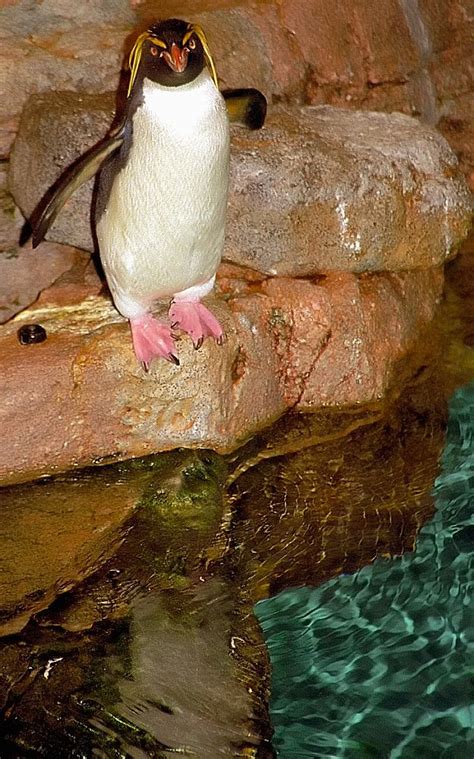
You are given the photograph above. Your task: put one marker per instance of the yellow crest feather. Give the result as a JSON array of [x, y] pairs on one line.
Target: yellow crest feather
[[136, 52], [136, 55], [199, 32]]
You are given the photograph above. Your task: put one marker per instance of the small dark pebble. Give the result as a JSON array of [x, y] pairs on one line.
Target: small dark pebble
[[31, 333]]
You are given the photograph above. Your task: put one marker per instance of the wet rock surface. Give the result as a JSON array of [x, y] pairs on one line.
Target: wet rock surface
[[314, 495], [290, 343], [317, 190], [58, 533], [106, 634]]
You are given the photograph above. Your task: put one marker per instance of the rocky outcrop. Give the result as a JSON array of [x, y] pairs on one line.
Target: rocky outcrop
[[322, 189], [290, 344], [317, 190], [58, 45]]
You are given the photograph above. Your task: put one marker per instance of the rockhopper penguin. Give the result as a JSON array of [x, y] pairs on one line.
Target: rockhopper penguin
[[162, 194]]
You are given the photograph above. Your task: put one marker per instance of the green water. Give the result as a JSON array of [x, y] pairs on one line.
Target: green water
[[381, 663]]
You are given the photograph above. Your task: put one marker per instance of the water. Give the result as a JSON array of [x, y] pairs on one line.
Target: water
[[126, 592], [380, 663]]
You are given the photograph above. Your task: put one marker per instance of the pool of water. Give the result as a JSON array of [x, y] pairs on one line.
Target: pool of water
[[127, 592], [379, 663]]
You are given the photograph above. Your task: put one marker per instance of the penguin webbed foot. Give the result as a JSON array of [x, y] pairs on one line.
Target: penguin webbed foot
[[196, 320], [152, 339]]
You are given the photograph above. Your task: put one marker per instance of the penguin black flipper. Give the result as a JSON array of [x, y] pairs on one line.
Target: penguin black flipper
[[246, 107], [75, 176]]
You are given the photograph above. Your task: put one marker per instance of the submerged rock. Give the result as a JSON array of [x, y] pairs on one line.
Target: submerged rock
[[152, 649], [55, 533], [319, 189]]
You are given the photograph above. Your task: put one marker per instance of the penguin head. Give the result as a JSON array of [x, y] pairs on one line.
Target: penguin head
[[170, 53]]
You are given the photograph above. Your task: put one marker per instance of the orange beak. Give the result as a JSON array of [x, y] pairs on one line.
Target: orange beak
[[177, 60]]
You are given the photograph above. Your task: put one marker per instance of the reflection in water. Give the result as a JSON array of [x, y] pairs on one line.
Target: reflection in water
[[379, 663], [339, 504], [136, 659], [154, 649], [126, 593]]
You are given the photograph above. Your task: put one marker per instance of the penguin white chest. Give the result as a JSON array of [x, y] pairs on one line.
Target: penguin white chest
[[163, 227]]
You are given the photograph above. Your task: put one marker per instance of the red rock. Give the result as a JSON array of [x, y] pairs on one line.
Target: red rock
[[24, 273], [238, 49], [290, 343], [352, 45], [374, 318], [452, 71], [458, 128], [287, 63], [301, 321]]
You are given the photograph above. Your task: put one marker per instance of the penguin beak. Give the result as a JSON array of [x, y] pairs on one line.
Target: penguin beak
[[177, 60]]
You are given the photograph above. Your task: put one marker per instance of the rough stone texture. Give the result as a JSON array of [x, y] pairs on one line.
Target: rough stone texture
[[322, 189], [237, 43], [317, 190], [366, 52], [58, 45], [91, 401], [81, 48], [90, 119], [449, 29], [368, 314], [345, 208], [24, 272], [409, 55]]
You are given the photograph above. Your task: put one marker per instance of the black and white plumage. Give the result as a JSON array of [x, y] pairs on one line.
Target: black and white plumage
[[160, 215]]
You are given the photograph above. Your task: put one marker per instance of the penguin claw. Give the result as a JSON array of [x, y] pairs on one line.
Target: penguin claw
[[152, 339], [196, 320]]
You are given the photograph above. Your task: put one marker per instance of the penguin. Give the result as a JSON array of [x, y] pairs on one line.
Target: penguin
[[163, 187]]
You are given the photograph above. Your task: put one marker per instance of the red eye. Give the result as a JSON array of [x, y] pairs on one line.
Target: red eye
[[192, 44], [154, 50]]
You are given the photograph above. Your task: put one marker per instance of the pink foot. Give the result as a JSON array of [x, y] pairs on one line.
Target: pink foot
[[196, 320], [152, 339]]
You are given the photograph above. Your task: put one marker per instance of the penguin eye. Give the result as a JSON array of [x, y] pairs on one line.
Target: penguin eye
[[154, 50], [192, 44]]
